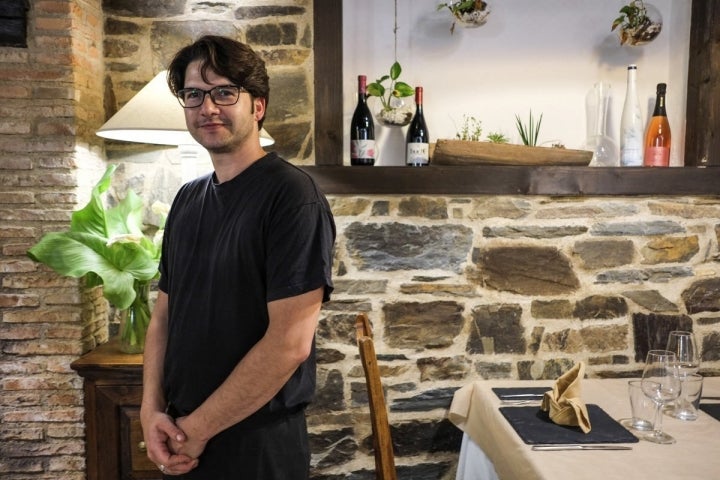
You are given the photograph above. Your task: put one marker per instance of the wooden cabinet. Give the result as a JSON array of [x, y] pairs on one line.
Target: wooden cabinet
[[113, 392]]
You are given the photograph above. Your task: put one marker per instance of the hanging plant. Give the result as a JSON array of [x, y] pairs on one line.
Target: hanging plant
[[468, 13], [394, 111], [639, 23]]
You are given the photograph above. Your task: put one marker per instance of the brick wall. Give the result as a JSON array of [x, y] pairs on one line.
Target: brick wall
[[50, 105]]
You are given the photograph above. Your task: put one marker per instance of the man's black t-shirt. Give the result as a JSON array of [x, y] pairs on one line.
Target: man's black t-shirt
[[228, 250]]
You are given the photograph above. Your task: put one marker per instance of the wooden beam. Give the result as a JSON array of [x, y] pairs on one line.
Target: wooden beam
[[702, 138], [327, 46]]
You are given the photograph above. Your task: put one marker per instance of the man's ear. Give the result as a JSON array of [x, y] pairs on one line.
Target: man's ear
[[259, 111]]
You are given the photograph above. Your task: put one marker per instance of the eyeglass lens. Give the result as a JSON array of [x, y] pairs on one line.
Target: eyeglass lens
[[220, 95]]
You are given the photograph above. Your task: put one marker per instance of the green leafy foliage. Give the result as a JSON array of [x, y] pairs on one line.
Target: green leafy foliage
[[107, 246], [529, 132], [471, 129], [497, 137], [395, 89], [463, 6], [632, 16]]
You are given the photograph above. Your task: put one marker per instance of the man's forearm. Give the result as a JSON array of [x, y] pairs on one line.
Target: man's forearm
[[154, 357]]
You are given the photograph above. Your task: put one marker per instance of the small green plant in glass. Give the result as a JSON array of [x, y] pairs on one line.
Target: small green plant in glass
[[392, 111]]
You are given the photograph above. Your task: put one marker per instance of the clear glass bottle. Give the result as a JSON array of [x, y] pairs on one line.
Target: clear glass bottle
[[604, 147], [631, 124]]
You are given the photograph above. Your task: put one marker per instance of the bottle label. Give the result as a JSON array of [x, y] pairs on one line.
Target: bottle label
[[657, 157], [418, 154], [362, 149], [631, 155]]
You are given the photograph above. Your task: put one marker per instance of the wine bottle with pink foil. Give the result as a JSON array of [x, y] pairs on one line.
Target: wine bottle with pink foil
[[657, 135], [362, 129]]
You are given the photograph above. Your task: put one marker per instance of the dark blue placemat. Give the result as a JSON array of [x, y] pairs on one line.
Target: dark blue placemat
[[535, 427], [712, 409], [511, 393]]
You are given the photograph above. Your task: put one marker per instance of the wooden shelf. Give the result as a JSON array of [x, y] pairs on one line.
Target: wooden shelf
[[517, 180]]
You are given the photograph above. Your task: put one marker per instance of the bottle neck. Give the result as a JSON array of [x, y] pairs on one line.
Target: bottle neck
[[660, 106], [632, 79], [362, 88], [419, 99]]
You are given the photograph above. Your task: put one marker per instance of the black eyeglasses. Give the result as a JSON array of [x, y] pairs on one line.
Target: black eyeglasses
[[221, 95]]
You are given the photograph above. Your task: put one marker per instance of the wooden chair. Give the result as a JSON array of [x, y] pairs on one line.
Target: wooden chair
[[382, 440]]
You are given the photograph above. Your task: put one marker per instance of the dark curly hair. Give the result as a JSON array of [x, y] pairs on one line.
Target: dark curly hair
[[226, 57]]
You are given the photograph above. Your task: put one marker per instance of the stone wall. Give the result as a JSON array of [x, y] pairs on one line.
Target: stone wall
[[485, 287]]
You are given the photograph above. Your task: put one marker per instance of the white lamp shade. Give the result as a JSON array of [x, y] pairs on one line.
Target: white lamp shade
[[154, 116]]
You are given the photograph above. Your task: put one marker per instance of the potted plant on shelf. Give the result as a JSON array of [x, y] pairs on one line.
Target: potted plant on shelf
[[639, 23], [468, 149], [468, 13], [394, 112], [107, 246]]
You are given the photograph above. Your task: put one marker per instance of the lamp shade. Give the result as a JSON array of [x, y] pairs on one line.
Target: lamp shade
[[154, 116]]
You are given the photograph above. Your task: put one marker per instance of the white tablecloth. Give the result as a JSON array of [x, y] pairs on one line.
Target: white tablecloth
[[491, 445]]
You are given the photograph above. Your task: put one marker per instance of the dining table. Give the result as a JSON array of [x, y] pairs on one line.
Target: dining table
[[492, 449]]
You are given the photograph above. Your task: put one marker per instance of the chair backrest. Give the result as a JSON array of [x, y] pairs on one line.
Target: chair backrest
[[382, 440]]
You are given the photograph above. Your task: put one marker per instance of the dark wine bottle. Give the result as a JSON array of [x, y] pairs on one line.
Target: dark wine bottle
[[657, 137], [417, 144], [362, 129]]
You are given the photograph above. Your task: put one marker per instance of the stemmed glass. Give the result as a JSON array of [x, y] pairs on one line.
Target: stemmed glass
[[661, 384], [684, 346]]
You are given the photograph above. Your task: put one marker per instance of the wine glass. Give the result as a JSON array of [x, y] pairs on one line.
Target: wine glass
[[684, 346], [661, 384]]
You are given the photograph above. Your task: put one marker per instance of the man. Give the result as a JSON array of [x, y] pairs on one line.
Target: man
[[229, 360]]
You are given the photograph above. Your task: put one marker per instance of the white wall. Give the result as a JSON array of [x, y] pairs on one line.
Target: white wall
[[543, 55]]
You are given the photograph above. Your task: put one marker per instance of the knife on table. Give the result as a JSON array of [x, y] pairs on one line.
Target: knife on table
[[574, 446], [521, 397]]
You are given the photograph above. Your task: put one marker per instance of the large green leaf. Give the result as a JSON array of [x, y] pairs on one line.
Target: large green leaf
[[375, 90], [107, 247], [91, 218], [75, 254], [395, 70], [402, 89], [126, 216]]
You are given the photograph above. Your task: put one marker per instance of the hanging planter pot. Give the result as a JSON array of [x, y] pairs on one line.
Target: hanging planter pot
[[397, 113], [639, 23], [467, 13]]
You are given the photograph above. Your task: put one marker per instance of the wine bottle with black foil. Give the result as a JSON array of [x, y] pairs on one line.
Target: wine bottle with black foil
[[362, 129], [417, 145], [631, 124], [657, 136]]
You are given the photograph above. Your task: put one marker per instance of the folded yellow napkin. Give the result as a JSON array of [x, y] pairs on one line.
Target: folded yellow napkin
[[564, 403]]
